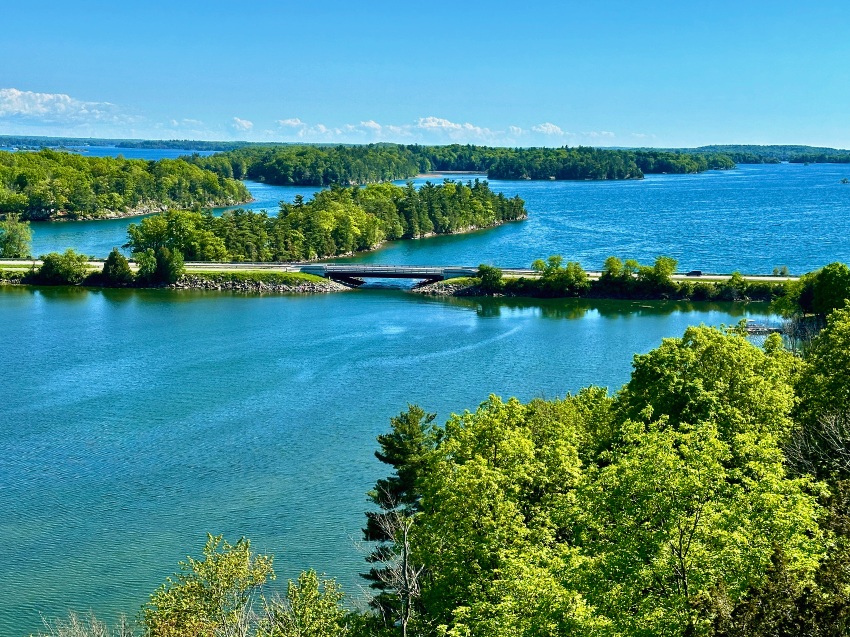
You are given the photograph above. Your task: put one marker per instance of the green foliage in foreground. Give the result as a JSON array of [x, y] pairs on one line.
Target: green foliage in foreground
[[336, 222], [818, 292], [15, 237], [50, 184], [678, 506], [671, 508]]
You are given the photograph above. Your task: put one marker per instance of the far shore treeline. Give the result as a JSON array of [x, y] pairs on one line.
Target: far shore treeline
[[311, 165], [50, 184]]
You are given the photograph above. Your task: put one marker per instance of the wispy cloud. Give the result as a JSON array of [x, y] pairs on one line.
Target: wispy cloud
[[242, 124], [433, 130], [548, 128], [28, 112], [602, 134], [292, 122], [56, 108]]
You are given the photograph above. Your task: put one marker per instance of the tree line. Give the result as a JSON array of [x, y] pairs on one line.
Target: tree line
[[50, 184], [776, 153], [310, 165], [709, 496], [620, 279]]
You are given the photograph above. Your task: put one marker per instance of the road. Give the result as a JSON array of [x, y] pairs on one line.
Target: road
[[380, 270]]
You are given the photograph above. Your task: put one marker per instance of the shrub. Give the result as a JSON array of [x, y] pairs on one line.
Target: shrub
[[116, 270], [69, 268]]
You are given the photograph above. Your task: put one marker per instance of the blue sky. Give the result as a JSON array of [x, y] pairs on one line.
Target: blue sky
[[502, 73]]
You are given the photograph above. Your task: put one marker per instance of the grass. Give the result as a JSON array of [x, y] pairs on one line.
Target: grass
[[257, 276]]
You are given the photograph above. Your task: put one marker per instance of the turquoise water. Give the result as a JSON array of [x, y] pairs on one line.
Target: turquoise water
[[751, 219], [133, 422]]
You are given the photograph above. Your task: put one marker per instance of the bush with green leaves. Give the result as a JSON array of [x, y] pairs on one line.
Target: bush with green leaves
[[491, 278], [15, 237], [116, 270], [68, 268]]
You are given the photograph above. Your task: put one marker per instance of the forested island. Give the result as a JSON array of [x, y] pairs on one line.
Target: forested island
[[708, 496], [49, 184], [773, 154], [310, 165], [338, 221]]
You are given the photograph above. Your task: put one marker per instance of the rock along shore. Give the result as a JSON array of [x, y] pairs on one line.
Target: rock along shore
[[223, 283]]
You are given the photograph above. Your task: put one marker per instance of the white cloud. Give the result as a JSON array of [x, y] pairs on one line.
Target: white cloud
[[242, 124], [55, 108], [292, 122], [433, 130], [548, 128], [454, 130], [597, 134]]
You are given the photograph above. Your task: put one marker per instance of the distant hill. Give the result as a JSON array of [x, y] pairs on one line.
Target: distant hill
[[36, 142], [773, 154]]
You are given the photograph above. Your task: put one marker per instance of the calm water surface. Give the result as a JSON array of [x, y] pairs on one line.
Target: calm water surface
[[133, 422], [751, 219]]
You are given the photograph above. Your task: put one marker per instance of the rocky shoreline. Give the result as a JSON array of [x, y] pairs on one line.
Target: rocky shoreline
[[222, 283], [139, 211], [446, 288]]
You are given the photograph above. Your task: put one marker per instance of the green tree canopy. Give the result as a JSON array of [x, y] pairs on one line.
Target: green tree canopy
[[15, 237]]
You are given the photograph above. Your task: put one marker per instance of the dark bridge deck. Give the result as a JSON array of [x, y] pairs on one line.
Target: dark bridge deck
[[347, 271]]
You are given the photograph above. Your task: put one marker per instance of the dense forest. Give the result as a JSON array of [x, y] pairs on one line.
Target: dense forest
[[50, 184], [325, 165], [335, 222], [774, 154], [708, 496]]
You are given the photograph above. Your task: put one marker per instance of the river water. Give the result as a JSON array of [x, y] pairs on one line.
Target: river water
[[134, 422]]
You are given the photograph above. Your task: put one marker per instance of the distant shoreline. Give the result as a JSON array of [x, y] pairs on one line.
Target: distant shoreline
[[439, 173]]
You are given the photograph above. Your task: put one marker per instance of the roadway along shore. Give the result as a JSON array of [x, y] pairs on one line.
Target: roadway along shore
[[375, 270]]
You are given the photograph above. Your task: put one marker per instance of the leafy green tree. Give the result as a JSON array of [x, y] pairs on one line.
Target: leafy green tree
[[312, 608], [491, 278], [831, 288], [613, 268], [709, 376], [497, 507], [557, 280], [68, 268], [821, 445], [169, 265], [15, 237], [680, 513], [146, 260], [208, 597], [116, 270]]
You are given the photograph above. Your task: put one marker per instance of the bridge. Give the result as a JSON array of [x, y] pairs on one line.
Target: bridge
[[355, 272]]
